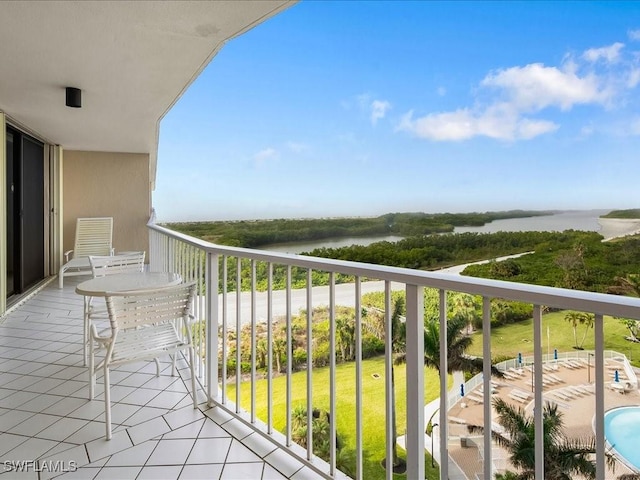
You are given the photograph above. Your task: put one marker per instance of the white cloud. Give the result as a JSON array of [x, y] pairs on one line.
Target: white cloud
[[633, 79], [297, 147], [610, 54], [635, 127], [497, 123], [375, 109], [379, 109], [634, 34], [510, 103], [265, 155], [363, 100], [527, 128], [534, 87], [587, 130]]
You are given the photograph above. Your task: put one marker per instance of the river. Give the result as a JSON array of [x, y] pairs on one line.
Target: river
[[587, 220]]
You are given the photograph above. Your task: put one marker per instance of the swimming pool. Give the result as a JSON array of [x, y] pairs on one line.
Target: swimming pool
[[622, 431]]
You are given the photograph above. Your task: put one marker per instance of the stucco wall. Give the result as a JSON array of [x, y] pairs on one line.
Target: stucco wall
[[105, 184]]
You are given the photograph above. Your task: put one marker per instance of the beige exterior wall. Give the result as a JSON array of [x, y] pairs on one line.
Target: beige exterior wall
[[105, 184]]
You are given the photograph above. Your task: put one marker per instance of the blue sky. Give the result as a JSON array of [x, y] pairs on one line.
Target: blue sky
[[364, 108]]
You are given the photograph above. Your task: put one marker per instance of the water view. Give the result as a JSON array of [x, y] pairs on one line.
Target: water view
[[299, 247], [586, 220]]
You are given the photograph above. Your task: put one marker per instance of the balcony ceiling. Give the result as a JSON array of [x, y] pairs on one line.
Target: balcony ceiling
[[131, 59]]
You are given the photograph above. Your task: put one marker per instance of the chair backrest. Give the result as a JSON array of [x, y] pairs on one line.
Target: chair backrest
[[93, 236], [102, 265], [149, 307]]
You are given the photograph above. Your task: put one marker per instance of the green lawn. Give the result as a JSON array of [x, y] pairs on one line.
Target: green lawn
[[518, 338], [373, 406]]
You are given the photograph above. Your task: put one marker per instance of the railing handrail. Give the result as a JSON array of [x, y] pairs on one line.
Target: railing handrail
[[208, 262], [598, 303]]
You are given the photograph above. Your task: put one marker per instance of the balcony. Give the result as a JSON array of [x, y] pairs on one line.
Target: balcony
[[45, 414], [242, 428]]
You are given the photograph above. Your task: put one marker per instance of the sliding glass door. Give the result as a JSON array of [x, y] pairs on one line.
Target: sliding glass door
[[25, 211]]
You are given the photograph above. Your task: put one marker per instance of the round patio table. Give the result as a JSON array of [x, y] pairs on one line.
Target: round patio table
[[124, 282]]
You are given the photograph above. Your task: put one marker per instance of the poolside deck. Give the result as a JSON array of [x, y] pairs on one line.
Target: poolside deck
[[567, 385]]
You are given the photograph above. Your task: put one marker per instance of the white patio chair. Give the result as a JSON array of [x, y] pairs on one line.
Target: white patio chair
[[93, 237], [101, 266], [144, 326]]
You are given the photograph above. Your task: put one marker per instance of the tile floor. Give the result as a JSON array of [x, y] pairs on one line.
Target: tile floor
[[48, 427]]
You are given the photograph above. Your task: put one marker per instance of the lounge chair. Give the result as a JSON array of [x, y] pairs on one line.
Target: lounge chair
[[94, 236]]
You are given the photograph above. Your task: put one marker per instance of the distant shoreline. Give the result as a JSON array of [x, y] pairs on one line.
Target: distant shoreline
[[618, 227]]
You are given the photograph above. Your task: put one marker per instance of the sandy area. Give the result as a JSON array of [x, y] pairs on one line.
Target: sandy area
[[618, 227]]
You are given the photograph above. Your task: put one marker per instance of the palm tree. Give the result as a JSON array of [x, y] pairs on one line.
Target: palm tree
[[579, 318], [464, 306], [457, 343], [345, 458], [398, 346], [279, 351], [345, 337], [564, 457]]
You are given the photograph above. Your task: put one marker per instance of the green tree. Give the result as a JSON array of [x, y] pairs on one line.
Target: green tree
[[321, 430], [345, 337], [573, 267], [564, 458], [279, 351], [634, 328], [627, 285], [457, 344], [464, 305], [579, 318], [398, 346]]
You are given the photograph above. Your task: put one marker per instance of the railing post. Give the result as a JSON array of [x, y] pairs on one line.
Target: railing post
[[486, 372], [415, 382], [599, 393], [444, 394], [212, 311], [538, 417]]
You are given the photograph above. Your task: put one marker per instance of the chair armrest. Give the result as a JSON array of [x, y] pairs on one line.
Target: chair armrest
[[66, 255], [95, 336]]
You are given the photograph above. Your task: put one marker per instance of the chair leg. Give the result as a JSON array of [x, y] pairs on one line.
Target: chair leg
[[61, 277], [107, 402], [87, 305], [157, 366], [92, 372], [173, 364], [194, 395]]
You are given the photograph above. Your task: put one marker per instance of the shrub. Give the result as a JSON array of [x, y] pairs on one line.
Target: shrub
[[371, 346]]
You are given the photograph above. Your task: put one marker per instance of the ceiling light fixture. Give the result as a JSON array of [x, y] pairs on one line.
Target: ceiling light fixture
[[74, 97]]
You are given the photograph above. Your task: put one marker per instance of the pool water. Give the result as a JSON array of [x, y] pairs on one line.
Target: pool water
[[622, 431]]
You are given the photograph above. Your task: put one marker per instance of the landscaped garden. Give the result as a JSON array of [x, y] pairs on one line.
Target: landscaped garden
[[373, 411]]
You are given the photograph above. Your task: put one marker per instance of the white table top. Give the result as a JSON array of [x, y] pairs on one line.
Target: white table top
[[123, 282]]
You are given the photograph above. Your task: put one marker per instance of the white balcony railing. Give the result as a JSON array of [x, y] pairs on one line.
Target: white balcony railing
[[223, 310]]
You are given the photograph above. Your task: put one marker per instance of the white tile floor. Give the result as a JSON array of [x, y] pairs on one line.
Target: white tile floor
[[45, 416]]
